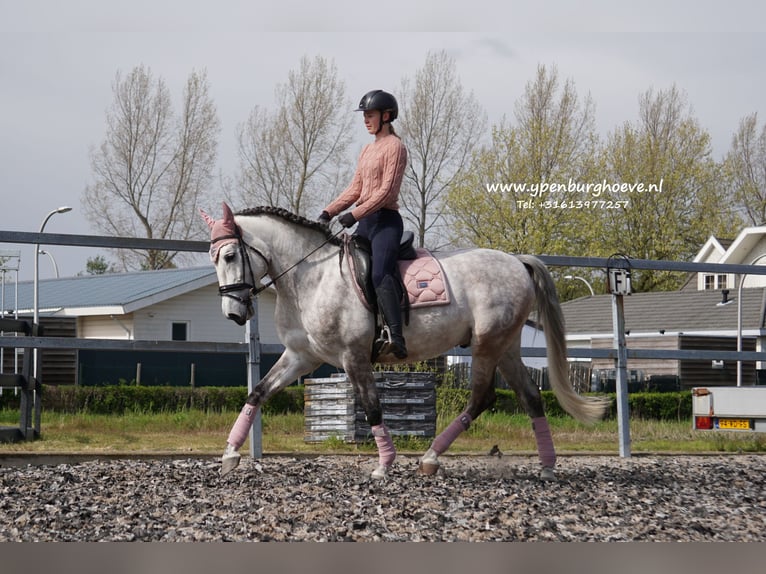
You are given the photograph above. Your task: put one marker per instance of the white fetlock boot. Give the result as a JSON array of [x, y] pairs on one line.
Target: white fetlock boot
[[429, 464], [229, 460], [380, 472]]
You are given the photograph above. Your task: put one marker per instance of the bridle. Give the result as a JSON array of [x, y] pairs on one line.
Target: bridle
[[231, 289]]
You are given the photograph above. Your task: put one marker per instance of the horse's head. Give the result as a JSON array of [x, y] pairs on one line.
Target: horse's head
[[237, 274]]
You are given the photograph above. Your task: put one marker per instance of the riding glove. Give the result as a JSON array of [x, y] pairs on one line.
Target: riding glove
[[324, 219], [347, 219]]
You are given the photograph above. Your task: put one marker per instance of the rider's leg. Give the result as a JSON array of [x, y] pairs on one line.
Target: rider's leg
[[385, 237]]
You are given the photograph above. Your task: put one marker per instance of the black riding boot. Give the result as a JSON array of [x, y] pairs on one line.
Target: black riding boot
[[389, 299]]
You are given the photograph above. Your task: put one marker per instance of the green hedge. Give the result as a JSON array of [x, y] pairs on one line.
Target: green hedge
[[651, 406], [119, 399]]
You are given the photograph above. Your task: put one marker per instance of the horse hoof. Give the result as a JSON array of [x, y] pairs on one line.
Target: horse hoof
[[229, 461], [428, 468], [380, 472], [547, 474]]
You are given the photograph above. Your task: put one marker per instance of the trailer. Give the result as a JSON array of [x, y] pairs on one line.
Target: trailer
[[729, 409]]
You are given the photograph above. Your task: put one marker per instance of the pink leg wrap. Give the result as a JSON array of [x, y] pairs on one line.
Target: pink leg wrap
[[447, 436], [386, 450], [544, 441], [239, 431]]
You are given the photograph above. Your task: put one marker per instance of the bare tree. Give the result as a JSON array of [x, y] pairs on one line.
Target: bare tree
[[153, 166], [745, 167], [440, 124], [295, 156]]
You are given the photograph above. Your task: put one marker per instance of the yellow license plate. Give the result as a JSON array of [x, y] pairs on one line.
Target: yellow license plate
[[734, 424]]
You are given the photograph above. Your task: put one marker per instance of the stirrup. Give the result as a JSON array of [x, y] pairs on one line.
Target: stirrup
[[385, 336], [384, 343]]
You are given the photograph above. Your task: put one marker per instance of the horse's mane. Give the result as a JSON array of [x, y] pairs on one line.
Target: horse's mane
[[292, 218]]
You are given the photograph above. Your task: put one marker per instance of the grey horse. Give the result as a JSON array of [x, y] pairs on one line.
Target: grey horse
[[320, 320]]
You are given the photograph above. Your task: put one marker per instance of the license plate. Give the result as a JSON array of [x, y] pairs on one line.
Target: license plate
[[734, 424]]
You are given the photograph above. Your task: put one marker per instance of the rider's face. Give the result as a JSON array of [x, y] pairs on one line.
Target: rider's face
[[372, 121]]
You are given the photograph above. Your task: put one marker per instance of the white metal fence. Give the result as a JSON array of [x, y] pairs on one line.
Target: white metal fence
[[252, 346]]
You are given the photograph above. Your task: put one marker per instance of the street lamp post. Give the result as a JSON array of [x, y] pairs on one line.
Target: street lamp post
[[36, 279], [53, 261], [592, 293]]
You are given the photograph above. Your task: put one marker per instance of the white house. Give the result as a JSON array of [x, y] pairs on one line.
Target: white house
[[702, 314], [165, 305], [749, 248]]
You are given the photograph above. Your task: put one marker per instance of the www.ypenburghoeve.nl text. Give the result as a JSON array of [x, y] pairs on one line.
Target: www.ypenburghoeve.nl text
[[591, 189]]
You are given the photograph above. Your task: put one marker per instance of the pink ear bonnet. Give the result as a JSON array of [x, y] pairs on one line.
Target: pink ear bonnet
[[222, 231]]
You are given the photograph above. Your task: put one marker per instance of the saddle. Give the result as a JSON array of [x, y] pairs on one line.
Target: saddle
[[420, 275]]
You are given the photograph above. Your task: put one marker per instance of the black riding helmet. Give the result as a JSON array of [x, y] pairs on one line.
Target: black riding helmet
[[379, 100]]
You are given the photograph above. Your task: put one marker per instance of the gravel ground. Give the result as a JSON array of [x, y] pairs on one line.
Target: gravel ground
[[331, 498]]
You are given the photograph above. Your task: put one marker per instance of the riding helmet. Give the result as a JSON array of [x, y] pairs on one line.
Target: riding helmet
[[379, 100]]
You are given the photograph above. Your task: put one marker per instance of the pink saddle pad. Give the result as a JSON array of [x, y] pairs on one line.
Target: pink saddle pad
[[424, 279]]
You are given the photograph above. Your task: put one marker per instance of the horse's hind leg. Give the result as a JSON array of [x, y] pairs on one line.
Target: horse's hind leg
[[360, 374], [516, 375], [482, 397]]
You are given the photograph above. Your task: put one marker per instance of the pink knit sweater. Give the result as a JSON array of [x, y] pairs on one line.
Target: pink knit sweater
[[377, 179]]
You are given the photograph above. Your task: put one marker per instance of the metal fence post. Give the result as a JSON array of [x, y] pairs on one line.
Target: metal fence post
[[619, 285], [621, 369], [253, 377]]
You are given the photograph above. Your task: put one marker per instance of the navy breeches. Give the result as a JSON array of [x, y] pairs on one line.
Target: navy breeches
[[384, 230]]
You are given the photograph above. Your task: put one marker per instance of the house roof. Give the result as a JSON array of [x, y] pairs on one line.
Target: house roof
[[743, 245], [672, 311], [714, 245], [111, 293], [732, 250]]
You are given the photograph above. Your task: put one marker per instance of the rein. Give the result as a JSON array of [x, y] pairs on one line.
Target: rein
[[228, 290]]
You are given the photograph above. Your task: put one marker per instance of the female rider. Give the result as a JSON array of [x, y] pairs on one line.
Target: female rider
[[375, 190]]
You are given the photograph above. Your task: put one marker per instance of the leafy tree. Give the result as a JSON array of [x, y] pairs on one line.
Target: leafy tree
[[441, 125], [295, 156], [499, 201], [745, 169], [98, 265], [666, 148], [153, 167]]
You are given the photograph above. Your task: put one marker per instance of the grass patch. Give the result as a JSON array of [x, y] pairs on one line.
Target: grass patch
[[205, 432]]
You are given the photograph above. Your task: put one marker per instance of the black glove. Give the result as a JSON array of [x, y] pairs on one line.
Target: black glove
[[324, 219], [347, 219]]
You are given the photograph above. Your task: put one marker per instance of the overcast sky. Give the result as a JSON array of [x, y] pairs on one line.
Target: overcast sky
[[58, 60]]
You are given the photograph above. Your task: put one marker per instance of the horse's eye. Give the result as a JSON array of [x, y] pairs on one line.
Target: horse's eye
[[228, 257]]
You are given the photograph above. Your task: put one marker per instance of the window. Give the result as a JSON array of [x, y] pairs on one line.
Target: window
[[713, 282], [180, 331]]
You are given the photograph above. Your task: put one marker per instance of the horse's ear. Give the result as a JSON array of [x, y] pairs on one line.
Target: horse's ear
[[209, 220], [227, 213]]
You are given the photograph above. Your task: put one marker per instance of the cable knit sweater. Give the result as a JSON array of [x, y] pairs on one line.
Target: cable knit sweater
[[377, 179]]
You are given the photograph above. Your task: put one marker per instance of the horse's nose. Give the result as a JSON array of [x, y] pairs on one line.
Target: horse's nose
[[238, 319]]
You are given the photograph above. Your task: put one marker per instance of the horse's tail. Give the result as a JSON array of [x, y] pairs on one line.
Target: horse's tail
[[584, 409]]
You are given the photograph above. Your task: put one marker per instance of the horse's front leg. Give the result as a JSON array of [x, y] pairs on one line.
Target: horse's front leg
[[287, 369], [364, 382]]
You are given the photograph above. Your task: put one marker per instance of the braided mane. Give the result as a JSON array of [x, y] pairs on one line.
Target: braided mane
[[292, 218]]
